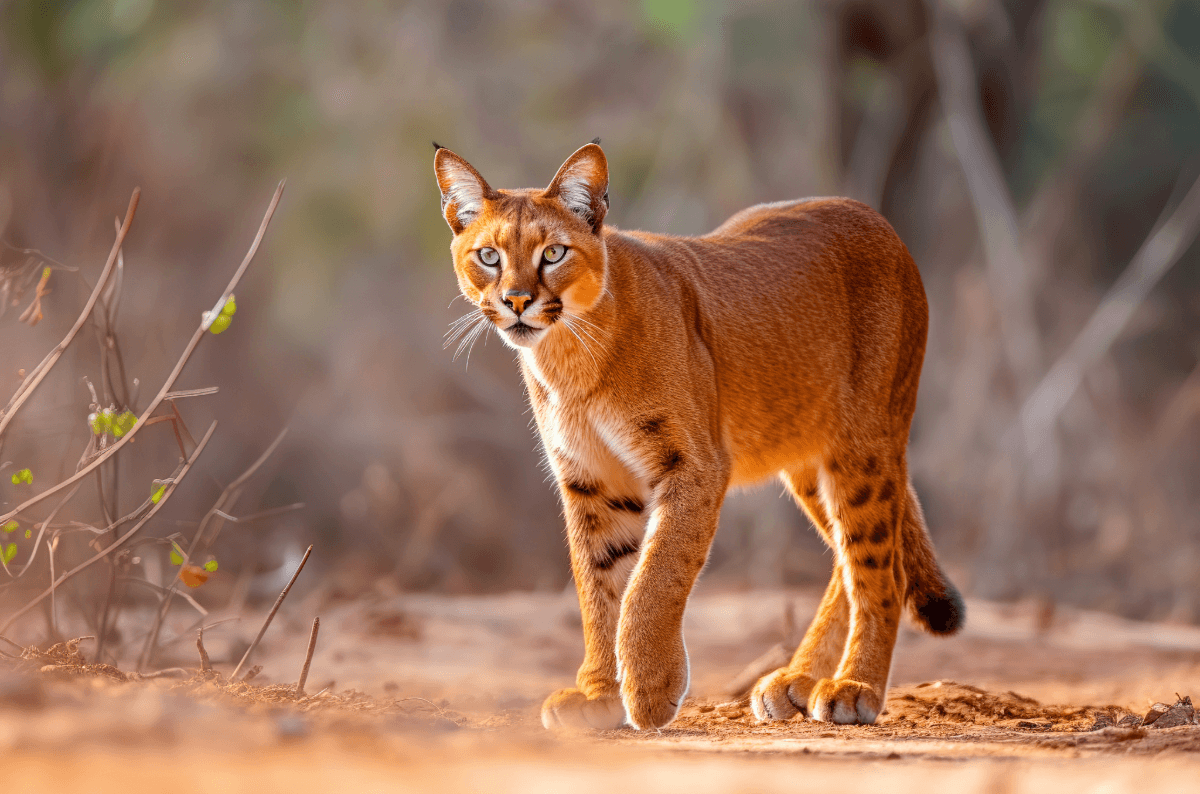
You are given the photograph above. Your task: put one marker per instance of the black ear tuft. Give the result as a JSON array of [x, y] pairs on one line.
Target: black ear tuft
[[596, 140], [437, 146]]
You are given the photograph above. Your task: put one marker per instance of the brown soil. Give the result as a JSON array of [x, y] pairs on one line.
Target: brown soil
[[442, 694]]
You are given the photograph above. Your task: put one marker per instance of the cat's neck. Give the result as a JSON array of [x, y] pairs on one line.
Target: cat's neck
[[572, 359]]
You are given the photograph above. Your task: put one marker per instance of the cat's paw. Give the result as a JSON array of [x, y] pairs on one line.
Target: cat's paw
[[846, 702], [573, 710], [781, 695], [654, 680]]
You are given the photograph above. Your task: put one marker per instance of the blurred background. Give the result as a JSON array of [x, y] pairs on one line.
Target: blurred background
[[1038, 158]]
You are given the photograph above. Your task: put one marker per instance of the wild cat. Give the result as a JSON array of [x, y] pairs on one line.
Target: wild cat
[[664, 370]]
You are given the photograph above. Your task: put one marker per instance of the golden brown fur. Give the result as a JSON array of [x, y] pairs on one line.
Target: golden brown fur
[[664, 370]]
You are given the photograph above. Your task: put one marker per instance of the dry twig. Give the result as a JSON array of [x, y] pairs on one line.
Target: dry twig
[[205, 664], [172, 484], [312, 646], [39, 372], [201, 330], [270, 615]]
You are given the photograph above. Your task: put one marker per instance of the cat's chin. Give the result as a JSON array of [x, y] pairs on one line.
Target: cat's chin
[[522, 337]]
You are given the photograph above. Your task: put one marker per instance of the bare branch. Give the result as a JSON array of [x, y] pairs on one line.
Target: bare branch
[[170, 489], [270, 615], [34, 378], [170, 381]]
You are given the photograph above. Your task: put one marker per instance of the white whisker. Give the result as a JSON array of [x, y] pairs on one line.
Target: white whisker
[[461, 326], [588, 350], [471, 336]]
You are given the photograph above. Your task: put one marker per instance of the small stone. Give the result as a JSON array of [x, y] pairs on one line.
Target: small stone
[[1155, 713], [1102, 721]]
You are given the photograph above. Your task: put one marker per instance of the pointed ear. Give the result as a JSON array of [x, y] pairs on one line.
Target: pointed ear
[[463, 189], [582, 185]]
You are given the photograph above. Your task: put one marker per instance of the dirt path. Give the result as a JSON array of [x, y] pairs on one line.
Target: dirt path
[[441, 694]]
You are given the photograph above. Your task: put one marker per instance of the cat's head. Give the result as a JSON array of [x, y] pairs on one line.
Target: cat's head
[[528, 258]]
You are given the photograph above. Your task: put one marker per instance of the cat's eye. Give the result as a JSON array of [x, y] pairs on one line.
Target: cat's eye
[[553, 254], [489, 256]]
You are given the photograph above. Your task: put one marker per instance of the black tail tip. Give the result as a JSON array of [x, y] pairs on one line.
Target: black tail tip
[[943, 614]]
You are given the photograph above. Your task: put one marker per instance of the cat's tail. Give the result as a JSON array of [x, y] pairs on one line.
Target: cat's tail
[[933, 601]]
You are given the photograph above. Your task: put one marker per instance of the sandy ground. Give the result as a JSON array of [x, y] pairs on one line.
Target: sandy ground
[[429, 693]]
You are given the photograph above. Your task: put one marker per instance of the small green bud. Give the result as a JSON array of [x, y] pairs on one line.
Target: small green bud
[[158, 493], [220, 324], [9, 552], [22, 476], [123, 423], [210, 566], [230, 307], [11, 526], [176, 554], [28, 534], [101, 422]]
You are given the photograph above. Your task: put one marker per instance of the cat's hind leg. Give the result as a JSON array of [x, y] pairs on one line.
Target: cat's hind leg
[[785, 692]]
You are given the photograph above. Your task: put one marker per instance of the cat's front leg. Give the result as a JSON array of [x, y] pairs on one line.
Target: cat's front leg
[[604, 529], [651, 656]]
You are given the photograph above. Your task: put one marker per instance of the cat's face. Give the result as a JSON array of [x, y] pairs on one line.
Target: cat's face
[[530, 260]]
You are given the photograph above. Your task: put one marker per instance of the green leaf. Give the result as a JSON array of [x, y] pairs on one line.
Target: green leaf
[[210, 566], [9, 552], [230, 307], [11, 526], [28, 534], [176, 554], [157, 493], [22, 476]]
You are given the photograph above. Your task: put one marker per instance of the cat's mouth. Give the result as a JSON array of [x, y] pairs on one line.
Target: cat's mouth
[[522, 333]]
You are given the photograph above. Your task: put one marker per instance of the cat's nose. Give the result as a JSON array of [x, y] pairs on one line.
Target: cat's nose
[[517, 300]]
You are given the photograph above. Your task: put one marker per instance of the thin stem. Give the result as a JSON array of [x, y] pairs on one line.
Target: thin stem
[[166, 387], [312, 646], [270, 615], [171, 486], [35, 377]]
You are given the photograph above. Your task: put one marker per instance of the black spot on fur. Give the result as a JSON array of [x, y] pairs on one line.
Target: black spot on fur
[[871, 466], [854, 538], [627, 503], [870, 561], [582, 488], [811, 491], [887, 559], [612, 553], [671, 460], [834, 466], [880, 533], [860, 498], [941, 613], [651, 425], [887, 491], [589, 523], [886, 603]]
